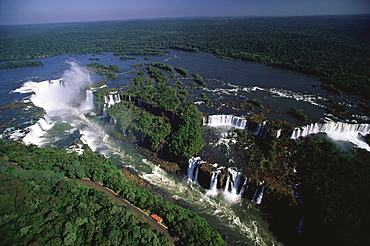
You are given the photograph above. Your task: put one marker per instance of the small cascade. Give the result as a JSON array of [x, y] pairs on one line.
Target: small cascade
[[300, 225], [244, 186], [225, 120], [329, 127], [213, 185], [37, 130], [236, 181], [233, 121], [338, 131], [233, 190], [278, 133], [258, 194], [193, 169], [104, 113], [296, 194], [111, 99], [226, 190]]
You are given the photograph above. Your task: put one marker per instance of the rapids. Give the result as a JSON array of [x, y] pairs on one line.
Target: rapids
[[69, 101]]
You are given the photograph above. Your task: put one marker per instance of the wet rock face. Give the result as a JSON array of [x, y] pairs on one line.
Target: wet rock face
[[228, 181], [204, 176]]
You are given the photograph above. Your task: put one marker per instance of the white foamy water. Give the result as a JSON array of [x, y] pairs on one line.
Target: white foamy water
[[338, 131], [65, 98], [69, 100], [226, 209]]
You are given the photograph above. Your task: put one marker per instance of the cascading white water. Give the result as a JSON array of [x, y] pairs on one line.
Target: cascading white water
[[213, 185], [337, 131], [111, 99], [229, 121], [241, 222], [193, 169], [244, 186], [232, 191], [232, 185], [225, 120], [278, 133], [258, 194], [70, 95]]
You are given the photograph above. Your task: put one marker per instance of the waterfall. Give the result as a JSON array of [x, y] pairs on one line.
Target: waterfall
[[278, 133], [300, 225], [37, 130], [236, 181], [225, 120], [213, 184], [88, 104], [229, 121], [337, 127], [337, 131], [258, 194], [70, 95], [104, 113], [244, 186], [193, 169], [111, 99], [233, 190]]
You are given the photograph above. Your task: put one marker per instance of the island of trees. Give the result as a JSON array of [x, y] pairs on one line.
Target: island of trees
[[155, 115], [334, 48], [14, 64]]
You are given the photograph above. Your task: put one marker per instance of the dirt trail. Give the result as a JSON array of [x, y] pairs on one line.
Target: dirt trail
[[115, 197]]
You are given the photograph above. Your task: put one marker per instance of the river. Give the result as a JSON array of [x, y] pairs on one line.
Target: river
[[70, 102]]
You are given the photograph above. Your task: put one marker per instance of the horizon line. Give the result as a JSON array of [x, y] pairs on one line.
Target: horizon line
[[186, 17]]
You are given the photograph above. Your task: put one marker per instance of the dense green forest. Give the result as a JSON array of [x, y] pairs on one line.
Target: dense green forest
[[20, 64], [42, 208], [334, 48], [56, 210], [331, 179], [155, 114], [335, 192], [108, 71]]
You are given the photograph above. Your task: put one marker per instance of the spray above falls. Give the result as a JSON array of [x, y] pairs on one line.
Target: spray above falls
[[337, 131], [62, 98]]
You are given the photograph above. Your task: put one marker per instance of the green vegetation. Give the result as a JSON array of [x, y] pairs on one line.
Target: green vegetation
[[153, 116], [256, 102], [334, 48], [20, 64], [333, 187], [338, 109], [127, 58], [182, 71], [205, 99], [332, 88], [199, 80], [38, 204], [297, 113], [335, 190], [107, 71], [165, 67], [187, 140], [42, 208]]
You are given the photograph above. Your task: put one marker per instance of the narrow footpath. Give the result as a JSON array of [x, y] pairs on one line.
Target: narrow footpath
[[115, 197]]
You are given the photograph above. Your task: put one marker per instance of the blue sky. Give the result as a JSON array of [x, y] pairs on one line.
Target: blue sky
[[55, 11]]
